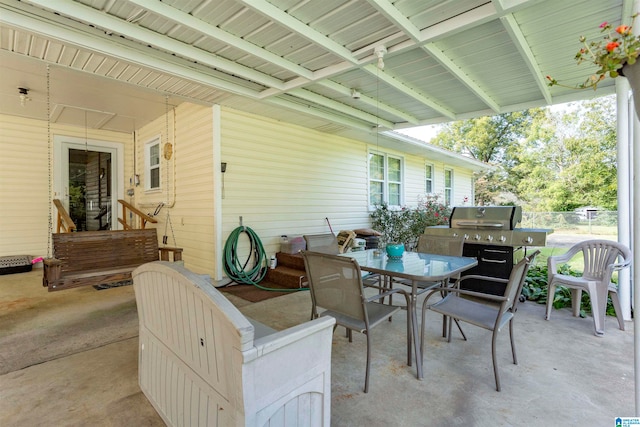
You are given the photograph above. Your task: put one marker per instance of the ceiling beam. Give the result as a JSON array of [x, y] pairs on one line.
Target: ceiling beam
[[504, 7], [313, 111], [57, 28], [182, 18], [372, 102], [386, 8], [518, 38], [459, 23], [107, 22], [283, 18], [447, 63], [187, 20], [398, 85], [340, 107]]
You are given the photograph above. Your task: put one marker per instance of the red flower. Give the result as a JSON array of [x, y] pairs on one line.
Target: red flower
[[611, 46], [623, 29], [604, 24]]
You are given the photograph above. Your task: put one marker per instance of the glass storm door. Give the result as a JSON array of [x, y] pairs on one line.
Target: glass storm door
[[86, 182], [90, 190]]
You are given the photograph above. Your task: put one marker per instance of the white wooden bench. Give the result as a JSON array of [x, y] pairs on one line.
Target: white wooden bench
[[202, 362]]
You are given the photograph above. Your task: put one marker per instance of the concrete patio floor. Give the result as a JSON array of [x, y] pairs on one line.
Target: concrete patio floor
[[69, 358]]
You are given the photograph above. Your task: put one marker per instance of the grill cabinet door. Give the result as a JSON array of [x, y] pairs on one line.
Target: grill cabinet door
[[493, 261]]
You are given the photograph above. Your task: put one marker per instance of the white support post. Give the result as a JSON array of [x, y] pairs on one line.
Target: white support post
[[217, 189], [635, 228], [636, 256], [624, 132]]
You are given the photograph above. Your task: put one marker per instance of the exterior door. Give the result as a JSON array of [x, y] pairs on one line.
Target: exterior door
[[86, 182], [90, 191]]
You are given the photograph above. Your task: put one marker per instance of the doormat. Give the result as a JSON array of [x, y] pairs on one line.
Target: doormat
[[15, 264], [254, 294], [113, 285]]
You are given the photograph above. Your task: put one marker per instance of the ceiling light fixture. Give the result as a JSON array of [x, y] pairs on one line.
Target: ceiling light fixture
[[24, 92], [380, 51], [355, 94]]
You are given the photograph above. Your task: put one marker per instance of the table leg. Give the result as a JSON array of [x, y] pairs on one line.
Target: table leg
[[410, 323], [445, 319], [414, 329]]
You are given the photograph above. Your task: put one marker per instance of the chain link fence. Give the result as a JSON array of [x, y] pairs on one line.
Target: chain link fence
[[584, 222]]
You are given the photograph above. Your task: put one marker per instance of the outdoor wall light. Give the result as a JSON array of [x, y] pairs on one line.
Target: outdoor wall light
[[24, 95], [223, 169]]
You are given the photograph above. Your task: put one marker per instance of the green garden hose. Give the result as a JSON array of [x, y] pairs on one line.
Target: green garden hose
[[237, 271]]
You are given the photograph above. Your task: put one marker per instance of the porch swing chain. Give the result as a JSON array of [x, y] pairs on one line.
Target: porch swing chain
[[49, 201], [165, 237]]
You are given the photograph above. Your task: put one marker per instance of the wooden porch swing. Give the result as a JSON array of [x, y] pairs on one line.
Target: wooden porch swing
[[98, 257], [106, 256]]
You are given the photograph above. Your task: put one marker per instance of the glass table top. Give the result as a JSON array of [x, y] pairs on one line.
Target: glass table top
[[412, 265]]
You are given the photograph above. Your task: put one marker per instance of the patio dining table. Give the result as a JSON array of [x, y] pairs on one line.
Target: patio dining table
[[414, 267]]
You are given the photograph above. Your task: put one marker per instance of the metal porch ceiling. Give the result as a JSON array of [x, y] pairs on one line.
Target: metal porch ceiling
[[301, 60]]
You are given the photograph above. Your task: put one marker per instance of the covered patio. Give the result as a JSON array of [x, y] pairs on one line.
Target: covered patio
[[70, 358], [360, 70]]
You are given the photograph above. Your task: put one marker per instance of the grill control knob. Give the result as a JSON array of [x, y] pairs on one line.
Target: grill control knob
[[502, 239], [466, 236], [477, 237], [528, 240], [455, 234], [490, 238]]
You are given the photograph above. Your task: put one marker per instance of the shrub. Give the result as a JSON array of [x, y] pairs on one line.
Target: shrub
[[405, 225], [535, 289]]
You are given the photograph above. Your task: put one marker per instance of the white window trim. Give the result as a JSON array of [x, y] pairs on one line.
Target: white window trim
[[432, 179], [147, 164], [450, 202], [386, 181]]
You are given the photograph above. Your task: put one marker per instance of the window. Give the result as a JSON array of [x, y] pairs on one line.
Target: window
[[385, 180], [448, 186], [428, 186], [152, 164]]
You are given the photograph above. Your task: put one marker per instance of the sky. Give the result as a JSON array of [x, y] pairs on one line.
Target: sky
[[423, 133]]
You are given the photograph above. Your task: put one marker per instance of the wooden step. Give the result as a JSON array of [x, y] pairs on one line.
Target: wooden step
[[287, 277], [294, 261]]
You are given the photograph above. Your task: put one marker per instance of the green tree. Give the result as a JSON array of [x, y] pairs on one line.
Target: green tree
[[548, 160], [494, 140], [569, 159]]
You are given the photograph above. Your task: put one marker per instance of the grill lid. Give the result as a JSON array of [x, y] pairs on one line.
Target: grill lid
[[485, 217]]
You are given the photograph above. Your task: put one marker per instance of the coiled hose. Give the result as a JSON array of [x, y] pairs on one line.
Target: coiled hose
[[237, 271]]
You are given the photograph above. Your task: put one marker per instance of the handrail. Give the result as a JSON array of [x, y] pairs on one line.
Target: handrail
[[63, 221], [144, 218]]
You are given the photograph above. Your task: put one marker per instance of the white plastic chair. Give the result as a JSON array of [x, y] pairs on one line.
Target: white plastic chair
[[600, 261]]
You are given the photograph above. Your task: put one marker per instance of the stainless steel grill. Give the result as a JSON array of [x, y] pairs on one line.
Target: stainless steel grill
[[491, 225], [491, 235]]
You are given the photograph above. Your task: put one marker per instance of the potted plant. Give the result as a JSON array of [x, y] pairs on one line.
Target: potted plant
[[393, 226], [615, 54], [401, 227]]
